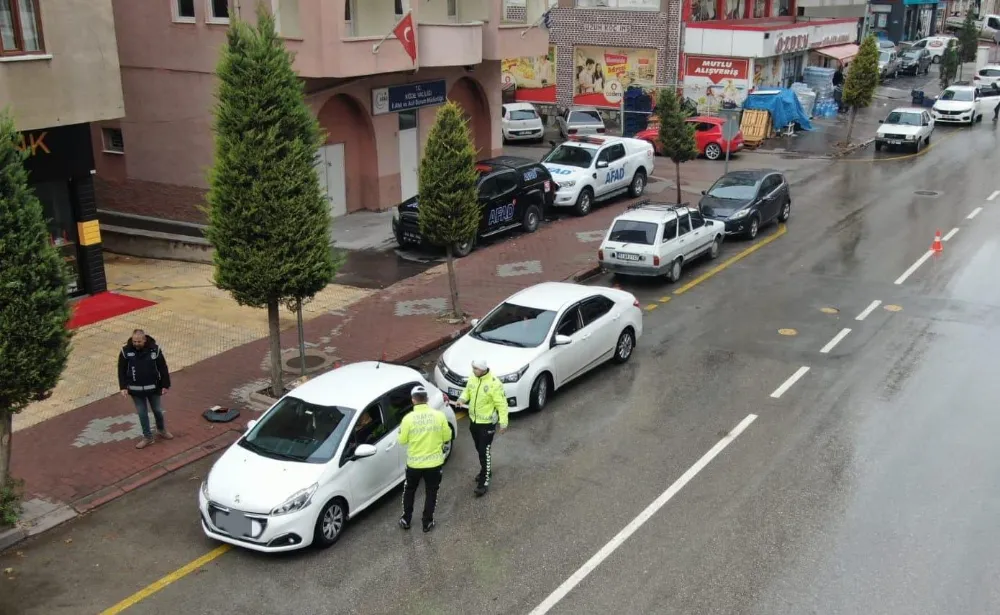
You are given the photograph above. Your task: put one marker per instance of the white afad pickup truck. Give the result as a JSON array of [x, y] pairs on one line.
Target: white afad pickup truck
[[591, 169], [986, 26]]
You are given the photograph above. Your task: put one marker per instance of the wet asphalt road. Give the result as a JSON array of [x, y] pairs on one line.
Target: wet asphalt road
[[871, 485]]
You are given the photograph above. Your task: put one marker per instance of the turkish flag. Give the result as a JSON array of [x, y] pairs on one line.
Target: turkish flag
[[404, 32]]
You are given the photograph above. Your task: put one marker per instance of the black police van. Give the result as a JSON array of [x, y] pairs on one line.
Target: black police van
[[513, 192]]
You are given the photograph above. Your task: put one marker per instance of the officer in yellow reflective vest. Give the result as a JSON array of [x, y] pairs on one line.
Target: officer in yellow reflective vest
[[487, 404], [424, 432]]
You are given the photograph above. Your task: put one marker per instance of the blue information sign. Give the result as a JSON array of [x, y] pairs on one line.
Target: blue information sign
[[396, 98]]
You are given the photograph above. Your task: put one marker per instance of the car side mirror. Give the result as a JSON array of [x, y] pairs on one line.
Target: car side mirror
[[474, 322], [563, 340], [602, 164], [881, 121], [364, 450], [709, 223], [552, 142], [704, 192], [251, 424]]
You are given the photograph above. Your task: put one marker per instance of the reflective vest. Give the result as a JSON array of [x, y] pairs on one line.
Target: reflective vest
[[424, 432], [486, 399]]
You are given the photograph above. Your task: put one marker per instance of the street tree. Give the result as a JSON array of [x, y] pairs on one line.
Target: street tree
[[950, 62], [968, 41], [34, 304], [862, 80], [676, 133], [449, 212], [268, 219]]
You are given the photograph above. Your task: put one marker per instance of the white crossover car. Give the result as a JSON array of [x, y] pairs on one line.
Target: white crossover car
[[905, 127], [520, 122], [320, 455], [589, 169], [543, 337], [964, 104]]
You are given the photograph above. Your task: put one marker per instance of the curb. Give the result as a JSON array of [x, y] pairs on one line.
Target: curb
[[852, 148], [9, 538], [585, 274]]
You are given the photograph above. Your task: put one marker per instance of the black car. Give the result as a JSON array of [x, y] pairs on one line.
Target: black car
[[513, 192], [915, 62], [744, 200]]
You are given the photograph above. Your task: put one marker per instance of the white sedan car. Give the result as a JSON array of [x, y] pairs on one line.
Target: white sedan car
[[323, 453], [543, 337]]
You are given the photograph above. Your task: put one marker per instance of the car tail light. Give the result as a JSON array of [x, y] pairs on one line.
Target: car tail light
[[548, 186], [572, 131], [635, 303], [600, 255], [656, 261], [600, 129]]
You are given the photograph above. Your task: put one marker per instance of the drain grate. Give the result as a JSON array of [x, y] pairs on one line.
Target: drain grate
[[927, 193]]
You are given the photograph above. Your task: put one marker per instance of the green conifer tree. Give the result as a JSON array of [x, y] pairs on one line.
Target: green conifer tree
[[268, 219], [449, 212], [861, 82], [676, 133], [949, 64], [968, 41]]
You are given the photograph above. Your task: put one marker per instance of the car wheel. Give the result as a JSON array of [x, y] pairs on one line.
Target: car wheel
[[786, 211], [625, 346], [675, 270], [638, 185], [540, 390], [878, 146], [532, 218], [584, 202], [895, 74], [716, 248], [753, 228], [450, 446], [713, 151], [330, 523], [463, 249]]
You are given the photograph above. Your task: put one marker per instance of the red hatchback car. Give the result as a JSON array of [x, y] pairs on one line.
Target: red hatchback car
[[707, 135]]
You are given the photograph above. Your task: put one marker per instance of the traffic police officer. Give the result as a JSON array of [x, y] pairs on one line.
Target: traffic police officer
[[487, 405], [424, 432]]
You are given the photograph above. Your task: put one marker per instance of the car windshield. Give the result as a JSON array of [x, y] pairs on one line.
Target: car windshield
[[585, 117], [740, 187], [515, 325], [959, 95], [571, 156], [884, 56], [523, 114], [296, 430], [912, 55], [632, 231], [904, 119]]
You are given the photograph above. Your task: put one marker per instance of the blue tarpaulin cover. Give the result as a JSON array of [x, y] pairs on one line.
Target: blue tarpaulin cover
[[783, 105]]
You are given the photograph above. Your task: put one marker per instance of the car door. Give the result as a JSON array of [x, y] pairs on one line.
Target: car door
[[619, 166], [927, 125], [685, 238], [370, 476], [501, 208], [701, 234], [396, 404], [670, 246], [988, 98], [487, 192], [568, 361], [600, 322], [925, 59], [768, 197]]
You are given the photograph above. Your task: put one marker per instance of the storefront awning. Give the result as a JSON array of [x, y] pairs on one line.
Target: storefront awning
[[840, 52]]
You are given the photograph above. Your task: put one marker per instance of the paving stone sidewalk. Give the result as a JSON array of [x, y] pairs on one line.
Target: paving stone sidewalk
[[87, 457]]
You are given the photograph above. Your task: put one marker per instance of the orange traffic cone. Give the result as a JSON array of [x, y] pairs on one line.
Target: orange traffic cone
[[936, 246]]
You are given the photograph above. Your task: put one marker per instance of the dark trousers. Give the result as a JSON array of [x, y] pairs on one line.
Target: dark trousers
[[143, 405], [432, 480], [482, 436]]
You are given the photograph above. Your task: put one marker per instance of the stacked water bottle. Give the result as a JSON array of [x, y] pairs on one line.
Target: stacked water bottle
[[807, 98], [820, 81]]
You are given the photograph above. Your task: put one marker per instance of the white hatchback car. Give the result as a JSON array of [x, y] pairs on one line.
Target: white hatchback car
[[320, 455], [521, 122], [910, 127], [542, 338]]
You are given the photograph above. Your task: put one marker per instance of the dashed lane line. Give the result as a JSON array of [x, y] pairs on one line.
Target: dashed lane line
[[950, 234], [914, 267], [836, 340], [975, 212], [995, 194], [778, 392], [868, 310]]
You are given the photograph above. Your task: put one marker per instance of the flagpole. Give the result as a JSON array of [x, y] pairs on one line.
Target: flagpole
[[537, 23], [377, 45]]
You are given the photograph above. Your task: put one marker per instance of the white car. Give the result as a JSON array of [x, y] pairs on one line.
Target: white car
[[987, 75], [542, 338], [934, 44], [905, 127], [590, 169], [964, 104], [319, 456], [580, 121], [655, 239], [521, 122]]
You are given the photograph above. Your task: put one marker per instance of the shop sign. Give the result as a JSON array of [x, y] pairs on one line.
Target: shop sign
[[790, 43], [607, 28], [58, 152], [34, 143], [396, 98], [602, 74], [715, 83], [830, 40], [717, 69], [533, 78]]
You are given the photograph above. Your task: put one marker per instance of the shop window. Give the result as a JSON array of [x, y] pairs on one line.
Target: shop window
[[57, 206], [218, 11], [703, 10], [20, 28], [734, 9], [184, 11], [759, 8], [781, 8], [114, 141]]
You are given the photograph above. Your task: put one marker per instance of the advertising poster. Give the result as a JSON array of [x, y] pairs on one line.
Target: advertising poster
[[715, 83], [602, 74], [533, 78]]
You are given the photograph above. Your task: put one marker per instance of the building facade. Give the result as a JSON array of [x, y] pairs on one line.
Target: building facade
[[57, 81], [374, 102], [906, 20]]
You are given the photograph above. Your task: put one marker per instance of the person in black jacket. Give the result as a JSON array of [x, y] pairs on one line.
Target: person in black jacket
[[143, 376]]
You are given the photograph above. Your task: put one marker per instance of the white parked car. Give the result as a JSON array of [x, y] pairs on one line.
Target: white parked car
[[590, 169], [655, 239], [964, 104], [320, 455], [543, 337], [910, 127], [521, 122], [934, 44], [987, 75], [580, 121]]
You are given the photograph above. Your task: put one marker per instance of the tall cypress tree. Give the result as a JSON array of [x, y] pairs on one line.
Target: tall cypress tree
[[268, 219], [676, 133], [968, 41], [449, 212], [34, 304], [862, 80]]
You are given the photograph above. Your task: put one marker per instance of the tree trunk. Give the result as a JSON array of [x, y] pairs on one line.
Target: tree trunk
[[6, 429], [850, 124], [274, 333], [677, 167], [453, 283]]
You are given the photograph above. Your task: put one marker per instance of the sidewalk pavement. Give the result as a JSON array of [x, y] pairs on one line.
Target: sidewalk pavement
[[87, 457]]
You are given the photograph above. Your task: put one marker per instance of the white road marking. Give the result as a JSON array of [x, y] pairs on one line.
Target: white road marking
[[995, 194], [661, 179], [914, 267], [868, 310], [778, 392], [836, 340], [950, 234], [975, 212], [563, 590]]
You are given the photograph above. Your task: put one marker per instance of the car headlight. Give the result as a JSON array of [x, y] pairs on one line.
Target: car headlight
[[298, 501], [441, 366], [395, 213], [740, 214], [567, 184], [514, 376], [204, 488]]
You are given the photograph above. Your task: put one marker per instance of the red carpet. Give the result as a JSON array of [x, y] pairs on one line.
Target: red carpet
[[102, 306]]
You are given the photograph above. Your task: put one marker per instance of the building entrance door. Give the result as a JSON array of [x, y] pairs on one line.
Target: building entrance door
[[409, 154], [332, 172]]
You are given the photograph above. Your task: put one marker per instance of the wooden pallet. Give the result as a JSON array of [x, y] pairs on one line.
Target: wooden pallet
[[756, 126]]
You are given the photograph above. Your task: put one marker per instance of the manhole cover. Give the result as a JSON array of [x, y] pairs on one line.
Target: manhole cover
[[829, 310], [787, 332], [927, 193], [893, 308], [310, 360]]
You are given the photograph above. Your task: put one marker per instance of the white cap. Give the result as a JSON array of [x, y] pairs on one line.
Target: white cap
[[480, 364], [418, 390]]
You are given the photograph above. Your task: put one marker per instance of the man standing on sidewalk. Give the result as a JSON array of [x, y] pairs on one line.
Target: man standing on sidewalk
[[424, 432], [143, 375], [487, 405]]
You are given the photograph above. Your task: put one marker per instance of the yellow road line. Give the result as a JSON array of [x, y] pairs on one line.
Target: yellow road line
[[903, 157], [651, 307], [174, 576], [664, 299], [782, 229]]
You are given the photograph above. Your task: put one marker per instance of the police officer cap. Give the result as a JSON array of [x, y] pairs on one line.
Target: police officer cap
[[418, 390], [479, 364]]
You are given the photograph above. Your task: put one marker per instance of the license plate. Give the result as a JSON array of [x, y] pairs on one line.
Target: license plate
[[525, 132], [894, 142], [627, 257], [411, 236], [454, 393], [233, 524]]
